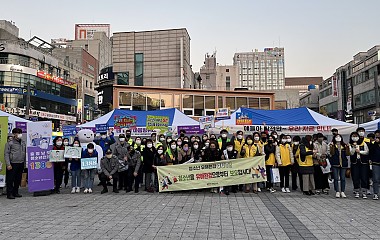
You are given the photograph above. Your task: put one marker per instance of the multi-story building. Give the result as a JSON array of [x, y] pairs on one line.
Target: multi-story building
[[218, 77], [159, 58], [88, 74], [261, 70], [302, 84], [353, 89], [310, 99], [8, 30]]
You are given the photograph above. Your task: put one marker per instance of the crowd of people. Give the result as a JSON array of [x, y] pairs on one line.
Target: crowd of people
[[129, 162]]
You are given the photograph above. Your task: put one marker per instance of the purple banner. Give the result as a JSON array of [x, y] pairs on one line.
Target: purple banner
[[191, 129], [40, 170], [22, 126]]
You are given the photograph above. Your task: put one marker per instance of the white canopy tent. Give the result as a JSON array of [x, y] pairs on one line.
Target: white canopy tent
[[12, 119], [371, 126]]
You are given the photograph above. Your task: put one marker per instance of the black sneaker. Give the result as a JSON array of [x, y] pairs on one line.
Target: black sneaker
[[10, 197], [17, 195], [105, 190], [116, 191]]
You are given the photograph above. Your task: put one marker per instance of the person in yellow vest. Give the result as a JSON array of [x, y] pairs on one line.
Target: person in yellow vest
[[260, 152], [284, 158], [223, 140], [174, 154], [249, 150], [270, 161], [295, 167], [128, 138], [238, 141], [306, 165], [367, 140]]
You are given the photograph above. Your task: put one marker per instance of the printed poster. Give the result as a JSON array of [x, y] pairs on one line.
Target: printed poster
[[57, 156], [125, 122], [39, 145], [73, 152], [211, 174], [157, 122], [3, 141]]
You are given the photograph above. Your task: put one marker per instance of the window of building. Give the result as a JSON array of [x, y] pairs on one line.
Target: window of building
[[241, 102], [166, 100], [153, 101], [139, 101], [220, 102], [210, 102], [122, 78], [228, 83], [139, 69], [86, 83], [90, 85], [227, 70], [230, 103], [125, 99], [253, 103], [265, 103], [198, 105], [176, 101]]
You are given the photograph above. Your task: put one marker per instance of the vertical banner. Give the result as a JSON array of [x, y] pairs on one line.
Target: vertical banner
[[80, 109], [211, 174], [334, 85], [39, 144], [3, 141]]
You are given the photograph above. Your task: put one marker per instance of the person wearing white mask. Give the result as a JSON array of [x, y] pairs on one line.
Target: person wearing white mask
[[223, 139], [321, 179], [173, 154], [148, 155], [159, 160], [121, 152], [229, 154], [295, 167], [66, 173], [15, 156], [359, 159], [89, 174], [75, 171], [284, 158], [59, 167], [196, 152], [109, 165], [238, 141]]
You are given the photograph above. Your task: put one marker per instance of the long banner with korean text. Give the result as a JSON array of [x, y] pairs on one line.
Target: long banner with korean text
[[211, 174]]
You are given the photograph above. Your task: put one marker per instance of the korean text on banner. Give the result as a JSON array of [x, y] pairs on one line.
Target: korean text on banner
[[157, 122], [39, 144], [207, 122], [125, 122], [211, 174], [3, 141], [101, 128], [69, 130]]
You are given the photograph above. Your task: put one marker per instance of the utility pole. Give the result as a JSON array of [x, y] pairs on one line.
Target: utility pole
[[27, 108]]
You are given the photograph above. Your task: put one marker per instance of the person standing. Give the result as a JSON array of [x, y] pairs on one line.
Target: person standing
[[238, 141], [305, 162], [284, 158], [148, 155], [321, 179], [375, 158], [59, 167], [212, 154], [15, 156], [121, 152], [295, 167], [249, 150], [359, 164], [270, 161], [229, 154], [89, 174], [223, 140], [159, 160], [66, 173], [109, 165], [339, 163], [105, 141], [134, 163], [75, 171]]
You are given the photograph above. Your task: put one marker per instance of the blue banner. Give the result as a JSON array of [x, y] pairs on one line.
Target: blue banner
[[101, 128], [69, 130], [88, 163]]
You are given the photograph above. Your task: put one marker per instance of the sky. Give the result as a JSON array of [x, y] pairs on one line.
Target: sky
[[318, 36]]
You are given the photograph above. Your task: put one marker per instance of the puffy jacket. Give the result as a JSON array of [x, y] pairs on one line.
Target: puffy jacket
[[15, 152], [134, 161], [109, 166], [121, 150], [338, 158]]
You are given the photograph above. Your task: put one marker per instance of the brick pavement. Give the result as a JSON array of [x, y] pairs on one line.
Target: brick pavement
[[188, 215]]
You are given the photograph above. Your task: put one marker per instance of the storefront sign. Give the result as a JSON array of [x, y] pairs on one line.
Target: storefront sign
[[55, 79], [16, 90], [334, 86], [211, 174], [39, 145], [125, 121], [191, 129], [3, 140], [157, 122]]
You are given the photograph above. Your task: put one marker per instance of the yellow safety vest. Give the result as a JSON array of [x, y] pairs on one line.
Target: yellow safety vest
[[308, 159], [285, 155]]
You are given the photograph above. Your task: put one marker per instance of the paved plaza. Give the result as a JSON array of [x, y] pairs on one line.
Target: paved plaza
[[188, 215]]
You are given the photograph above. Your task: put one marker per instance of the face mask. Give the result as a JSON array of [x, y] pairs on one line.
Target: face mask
[[179, 143], [185, 149], [138, 142], [257, 138], [104, 136], [76, 145], [195, 146], [185, 140], [207, 144], [160, 151], [296, 143], [264, 139], [168, 140], [224, 135], [311, 142], [162, 139], [19, 136], [197, 140], [230, 149], [128, 136], [283, 140], [275, 136], [249, 141], [90, 150], [66, 143], [338, 139], [355, 139], [149, 145], [109, 156], [289, 140], [361, 133], [122, 139], [240, 137], [59, 143], [173, 147]]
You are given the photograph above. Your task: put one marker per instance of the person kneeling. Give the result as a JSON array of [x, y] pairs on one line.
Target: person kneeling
[[109, 165]]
